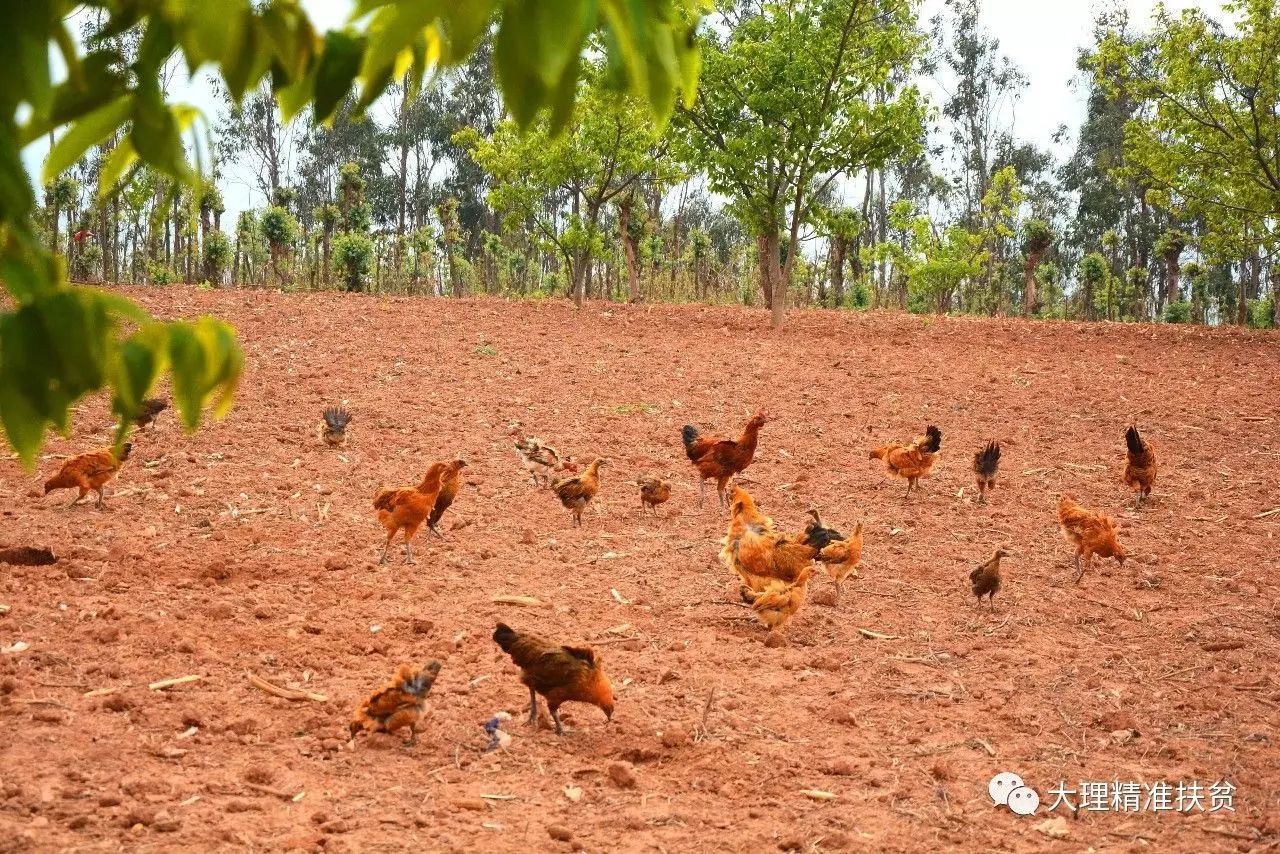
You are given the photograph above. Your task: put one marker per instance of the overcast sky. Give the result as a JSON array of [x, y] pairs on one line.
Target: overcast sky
[[1042, 38]]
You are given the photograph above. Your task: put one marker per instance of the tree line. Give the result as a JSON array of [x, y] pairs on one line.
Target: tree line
[[809, 169]]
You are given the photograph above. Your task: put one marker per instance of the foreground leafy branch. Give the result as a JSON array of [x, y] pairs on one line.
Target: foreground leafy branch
[[59, 343]]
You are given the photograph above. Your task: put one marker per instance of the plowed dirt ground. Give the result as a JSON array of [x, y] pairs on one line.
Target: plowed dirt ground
[[250, 547]]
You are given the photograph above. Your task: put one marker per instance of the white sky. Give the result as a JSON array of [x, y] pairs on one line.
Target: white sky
[[1042, 38]]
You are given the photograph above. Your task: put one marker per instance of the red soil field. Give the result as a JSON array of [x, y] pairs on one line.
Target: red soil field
[[251, 548]]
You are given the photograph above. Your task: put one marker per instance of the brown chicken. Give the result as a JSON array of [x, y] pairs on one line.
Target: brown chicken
[[407, 508], [151, 408], [1091, 533], [562, 674], [88, 473], [1140, 465], [841, 555], [986, 579], [911, 461], [397, 704], [653, 491], [986, 462], [721, 458], [758, 553], [778, 603], [450, 479], [543, 462], [576, 492]]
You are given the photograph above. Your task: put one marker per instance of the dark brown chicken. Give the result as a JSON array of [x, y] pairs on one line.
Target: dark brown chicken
[[88, 473], [986, 579], [653, 491], [986, 462], [561, 674], [721, 458], [450, 479], [1140, 465], [151, 408], [397, 704], [576, 492]]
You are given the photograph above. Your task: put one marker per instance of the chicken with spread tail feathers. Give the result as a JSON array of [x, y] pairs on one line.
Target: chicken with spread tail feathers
[[721, 458], [986, 462], [561, 674], [841, 555], [575, 493], [397, 704], [1140, 465], [653, 491], [407, 508], [1091, 533], [450, 479], [333, 428], [913, 460], [88, 473], [986, 578]]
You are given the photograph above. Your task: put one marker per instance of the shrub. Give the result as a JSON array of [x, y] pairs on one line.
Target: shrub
[[160, 274], [216, 254], [87, 266], [1177, 312], [352, 257], [279, 227], [1262, 313]]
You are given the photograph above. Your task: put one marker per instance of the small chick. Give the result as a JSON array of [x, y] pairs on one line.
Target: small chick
[[986, 578], [333, 430], [575, 493], [397, 704], [653, 491], [88, 473], [151, 408], [985, 464]]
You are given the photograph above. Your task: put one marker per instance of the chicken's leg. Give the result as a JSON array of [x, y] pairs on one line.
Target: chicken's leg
[[555, 716], [436, 531], [910, 483], [386, 547], [99, 502], [1079, 570], [77, 499], [533, 706], [835, 602], [408, 552]]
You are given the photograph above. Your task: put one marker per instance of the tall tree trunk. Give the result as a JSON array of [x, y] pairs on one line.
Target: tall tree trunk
[[839, 246], [767, 260], [629, 246], [326, 247], [1029, 301], [1173, 276]]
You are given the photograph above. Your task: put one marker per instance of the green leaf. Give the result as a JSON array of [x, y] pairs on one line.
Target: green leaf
[[155, 135], [215, 30], [462, 24], [84, 134], [336, 71], [121, 158], [22, 424], [393, 29], [206, 362]]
